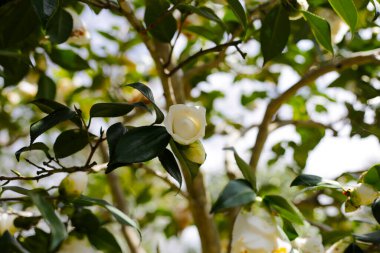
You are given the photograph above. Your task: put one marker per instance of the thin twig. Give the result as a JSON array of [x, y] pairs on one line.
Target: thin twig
[[201, 52]]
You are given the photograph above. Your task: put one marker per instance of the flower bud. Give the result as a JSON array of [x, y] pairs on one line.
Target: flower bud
[[79, 35], [73, 185], [6, 223], [363, 194], [294, 8], [195, 152], [186, 124]]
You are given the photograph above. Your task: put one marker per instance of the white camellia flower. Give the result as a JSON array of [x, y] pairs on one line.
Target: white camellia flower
[[363, 194], [73, 244], [186, 124], [310, 241], [6, 223], [79, 35], [74, 184], [257, 233]]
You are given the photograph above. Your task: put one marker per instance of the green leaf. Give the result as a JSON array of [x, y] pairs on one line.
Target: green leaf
[[37, 243], [186, 164], [169, 163], [45, 9], [289, 230], [58, 230], [274, 33], [103, 240], [85, 221], [14, 69], [160, 23], [110, 109], [121, 217], [26, 222], [210, 33], [373, 237], [60, 27], [114, 133], [46, 87], [47, 105], [245, 169], [70, 142], [52, 119], [239, 12], [145, 90], [353, 248], [372, 177], [140, 144], [35, 146], [202, 11], [346, 9], [376, 210], [284, 208], [321, 30], [67, 59], [315, 181], [9, 244], [237, 192]]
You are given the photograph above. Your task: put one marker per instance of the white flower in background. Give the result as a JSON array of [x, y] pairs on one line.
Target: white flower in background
[[186, 124], [257, 233], [309, 241], [74, 184], [195, 152], [79, 35], [6, 223], [340, 246], [73, 244], [363, 194]]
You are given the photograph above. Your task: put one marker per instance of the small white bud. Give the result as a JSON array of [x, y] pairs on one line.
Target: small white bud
[[74, 184], [195, 152]]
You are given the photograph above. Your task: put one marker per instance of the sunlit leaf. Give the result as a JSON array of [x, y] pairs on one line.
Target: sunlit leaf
[[346, 9], [284, 208]]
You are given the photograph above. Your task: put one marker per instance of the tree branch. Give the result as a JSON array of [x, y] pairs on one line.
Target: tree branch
[[361, 58], [201, 52]]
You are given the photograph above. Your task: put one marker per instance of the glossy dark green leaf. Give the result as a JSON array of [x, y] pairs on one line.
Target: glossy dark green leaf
[[114, 133], [45, 9], [26, 222], [245, 169], [140, 144], [145, 90], [121, 217], [239, 12], [353, 248], [58, 230], [373, 237], [60, 27], [46, 88], [160, 23], [85, 221], [284, 208], [52, 119], [47, 105], [321, 30], [37, 243], [9, 244], [67, 59], [202, 11], [315, 181], [289, 230], [274, 33], [104, 241], [210, 33], [376, 210], [110, 109], [346, 9], [237, 193], [372, 177], [35, 146], [70, 142], [14, 69], [169, 163]]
